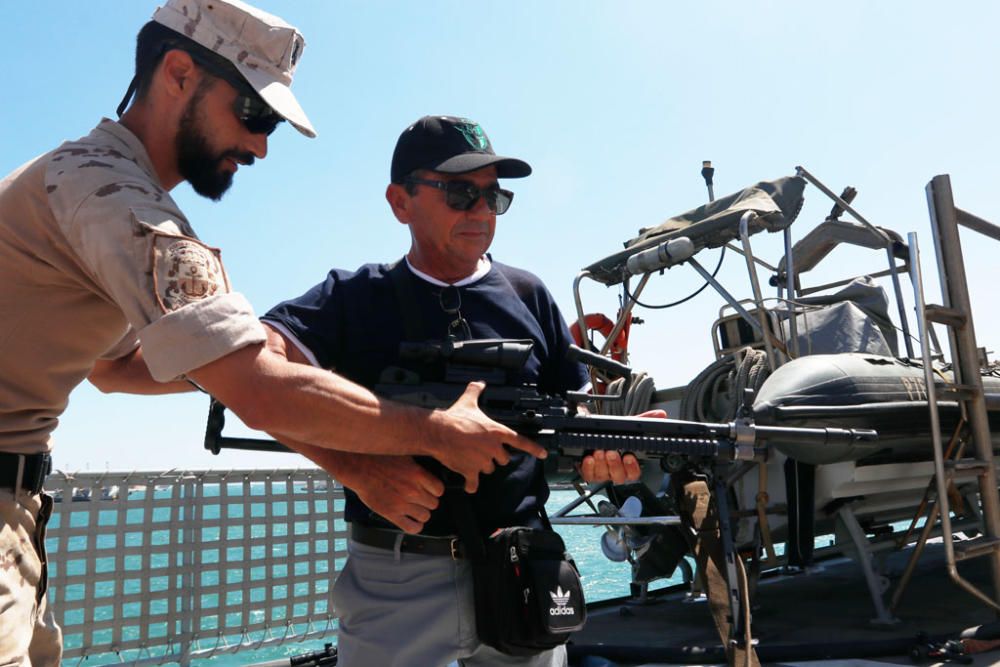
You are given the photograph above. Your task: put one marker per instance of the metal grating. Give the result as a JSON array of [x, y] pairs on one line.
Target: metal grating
[[156, 568]]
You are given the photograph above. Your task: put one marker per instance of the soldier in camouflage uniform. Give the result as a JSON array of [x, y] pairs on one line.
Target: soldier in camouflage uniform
[[105, 278]]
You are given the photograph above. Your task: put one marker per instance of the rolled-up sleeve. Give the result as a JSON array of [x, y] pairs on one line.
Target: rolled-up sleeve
[[141, 252], [190, 337]]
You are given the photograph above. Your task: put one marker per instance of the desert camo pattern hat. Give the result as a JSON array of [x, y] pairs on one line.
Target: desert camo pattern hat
[[262, 47], [450, 145]]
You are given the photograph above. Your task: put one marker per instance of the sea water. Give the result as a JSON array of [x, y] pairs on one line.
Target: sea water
[[602, 579]]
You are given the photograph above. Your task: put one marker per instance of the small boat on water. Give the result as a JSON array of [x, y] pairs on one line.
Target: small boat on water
[[893, 510]]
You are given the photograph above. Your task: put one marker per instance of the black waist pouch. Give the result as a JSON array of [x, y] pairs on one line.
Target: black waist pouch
[[528, 593]]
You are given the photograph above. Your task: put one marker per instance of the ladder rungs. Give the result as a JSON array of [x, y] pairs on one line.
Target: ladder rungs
[[968, 465], [946, 316], [979, 546], [960, 392]]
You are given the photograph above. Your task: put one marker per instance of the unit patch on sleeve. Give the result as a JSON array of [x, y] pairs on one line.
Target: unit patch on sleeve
[[185, 271]]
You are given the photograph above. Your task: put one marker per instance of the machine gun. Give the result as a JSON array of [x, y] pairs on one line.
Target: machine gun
[[553, 421]]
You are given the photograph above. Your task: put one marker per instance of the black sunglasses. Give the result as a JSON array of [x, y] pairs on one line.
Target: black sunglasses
[[255, 114], [463, 195]]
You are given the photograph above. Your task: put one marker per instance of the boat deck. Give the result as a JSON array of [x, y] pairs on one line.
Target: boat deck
[[824, 615]]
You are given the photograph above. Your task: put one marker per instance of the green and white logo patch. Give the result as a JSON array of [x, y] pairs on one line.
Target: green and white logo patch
[[474, 135]]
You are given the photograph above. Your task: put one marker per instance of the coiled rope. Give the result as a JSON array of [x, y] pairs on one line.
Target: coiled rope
[[637, 399], [716, 393]]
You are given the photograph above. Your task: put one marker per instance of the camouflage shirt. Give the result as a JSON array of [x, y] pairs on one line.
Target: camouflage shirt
[[95, 257]]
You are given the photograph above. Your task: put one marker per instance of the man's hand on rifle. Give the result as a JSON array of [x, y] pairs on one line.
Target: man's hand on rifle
[[603, 466], [475, 443], [395, 487]]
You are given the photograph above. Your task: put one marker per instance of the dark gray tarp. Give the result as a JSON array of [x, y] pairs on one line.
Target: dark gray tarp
[[837, 328], [855, 319], [776, 203]]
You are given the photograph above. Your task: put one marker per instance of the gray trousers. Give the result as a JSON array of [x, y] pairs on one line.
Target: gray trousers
[[409, 610]]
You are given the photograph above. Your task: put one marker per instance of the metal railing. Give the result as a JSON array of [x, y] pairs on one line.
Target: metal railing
[[166, 567]]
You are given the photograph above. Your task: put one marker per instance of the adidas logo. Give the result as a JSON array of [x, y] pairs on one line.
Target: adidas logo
[[561, 599]]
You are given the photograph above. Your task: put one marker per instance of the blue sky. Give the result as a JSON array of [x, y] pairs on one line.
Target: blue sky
[[615, 105]]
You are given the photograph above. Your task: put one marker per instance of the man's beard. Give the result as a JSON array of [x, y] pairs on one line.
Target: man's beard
[[196, 161]]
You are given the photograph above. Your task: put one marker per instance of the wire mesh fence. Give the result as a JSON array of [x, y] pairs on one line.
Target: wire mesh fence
[[166, 567]]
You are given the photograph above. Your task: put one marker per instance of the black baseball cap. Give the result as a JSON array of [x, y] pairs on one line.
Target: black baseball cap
[[452, 146]]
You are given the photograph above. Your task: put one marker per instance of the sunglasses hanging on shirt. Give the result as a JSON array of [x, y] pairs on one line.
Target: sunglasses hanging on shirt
[[450, 299]]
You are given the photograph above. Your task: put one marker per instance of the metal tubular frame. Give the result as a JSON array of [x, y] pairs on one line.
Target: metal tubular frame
[[801, 171], [865, 557], [625, 310], [758, 299], [893, 272], [793, 331], [945, 219], [730, 299], [940, 474]]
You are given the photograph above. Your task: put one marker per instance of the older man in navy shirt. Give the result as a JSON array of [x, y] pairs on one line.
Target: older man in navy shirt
[[403, 599]]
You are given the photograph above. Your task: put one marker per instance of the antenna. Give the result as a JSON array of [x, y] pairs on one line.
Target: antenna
[[707, 172]]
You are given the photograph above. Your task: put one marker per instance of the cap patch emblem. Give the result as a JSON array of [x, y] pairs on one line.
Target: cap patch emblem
[[185, 271], [474, 135]]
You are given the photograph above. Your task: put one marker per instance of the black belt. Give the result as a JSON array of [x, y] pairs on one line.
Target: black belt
[[381, 538], [30, 477]]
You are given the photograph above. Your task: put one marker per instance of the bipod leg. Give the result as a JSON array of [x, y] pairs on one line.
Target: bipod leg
[[737, 587], [715, 564]]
